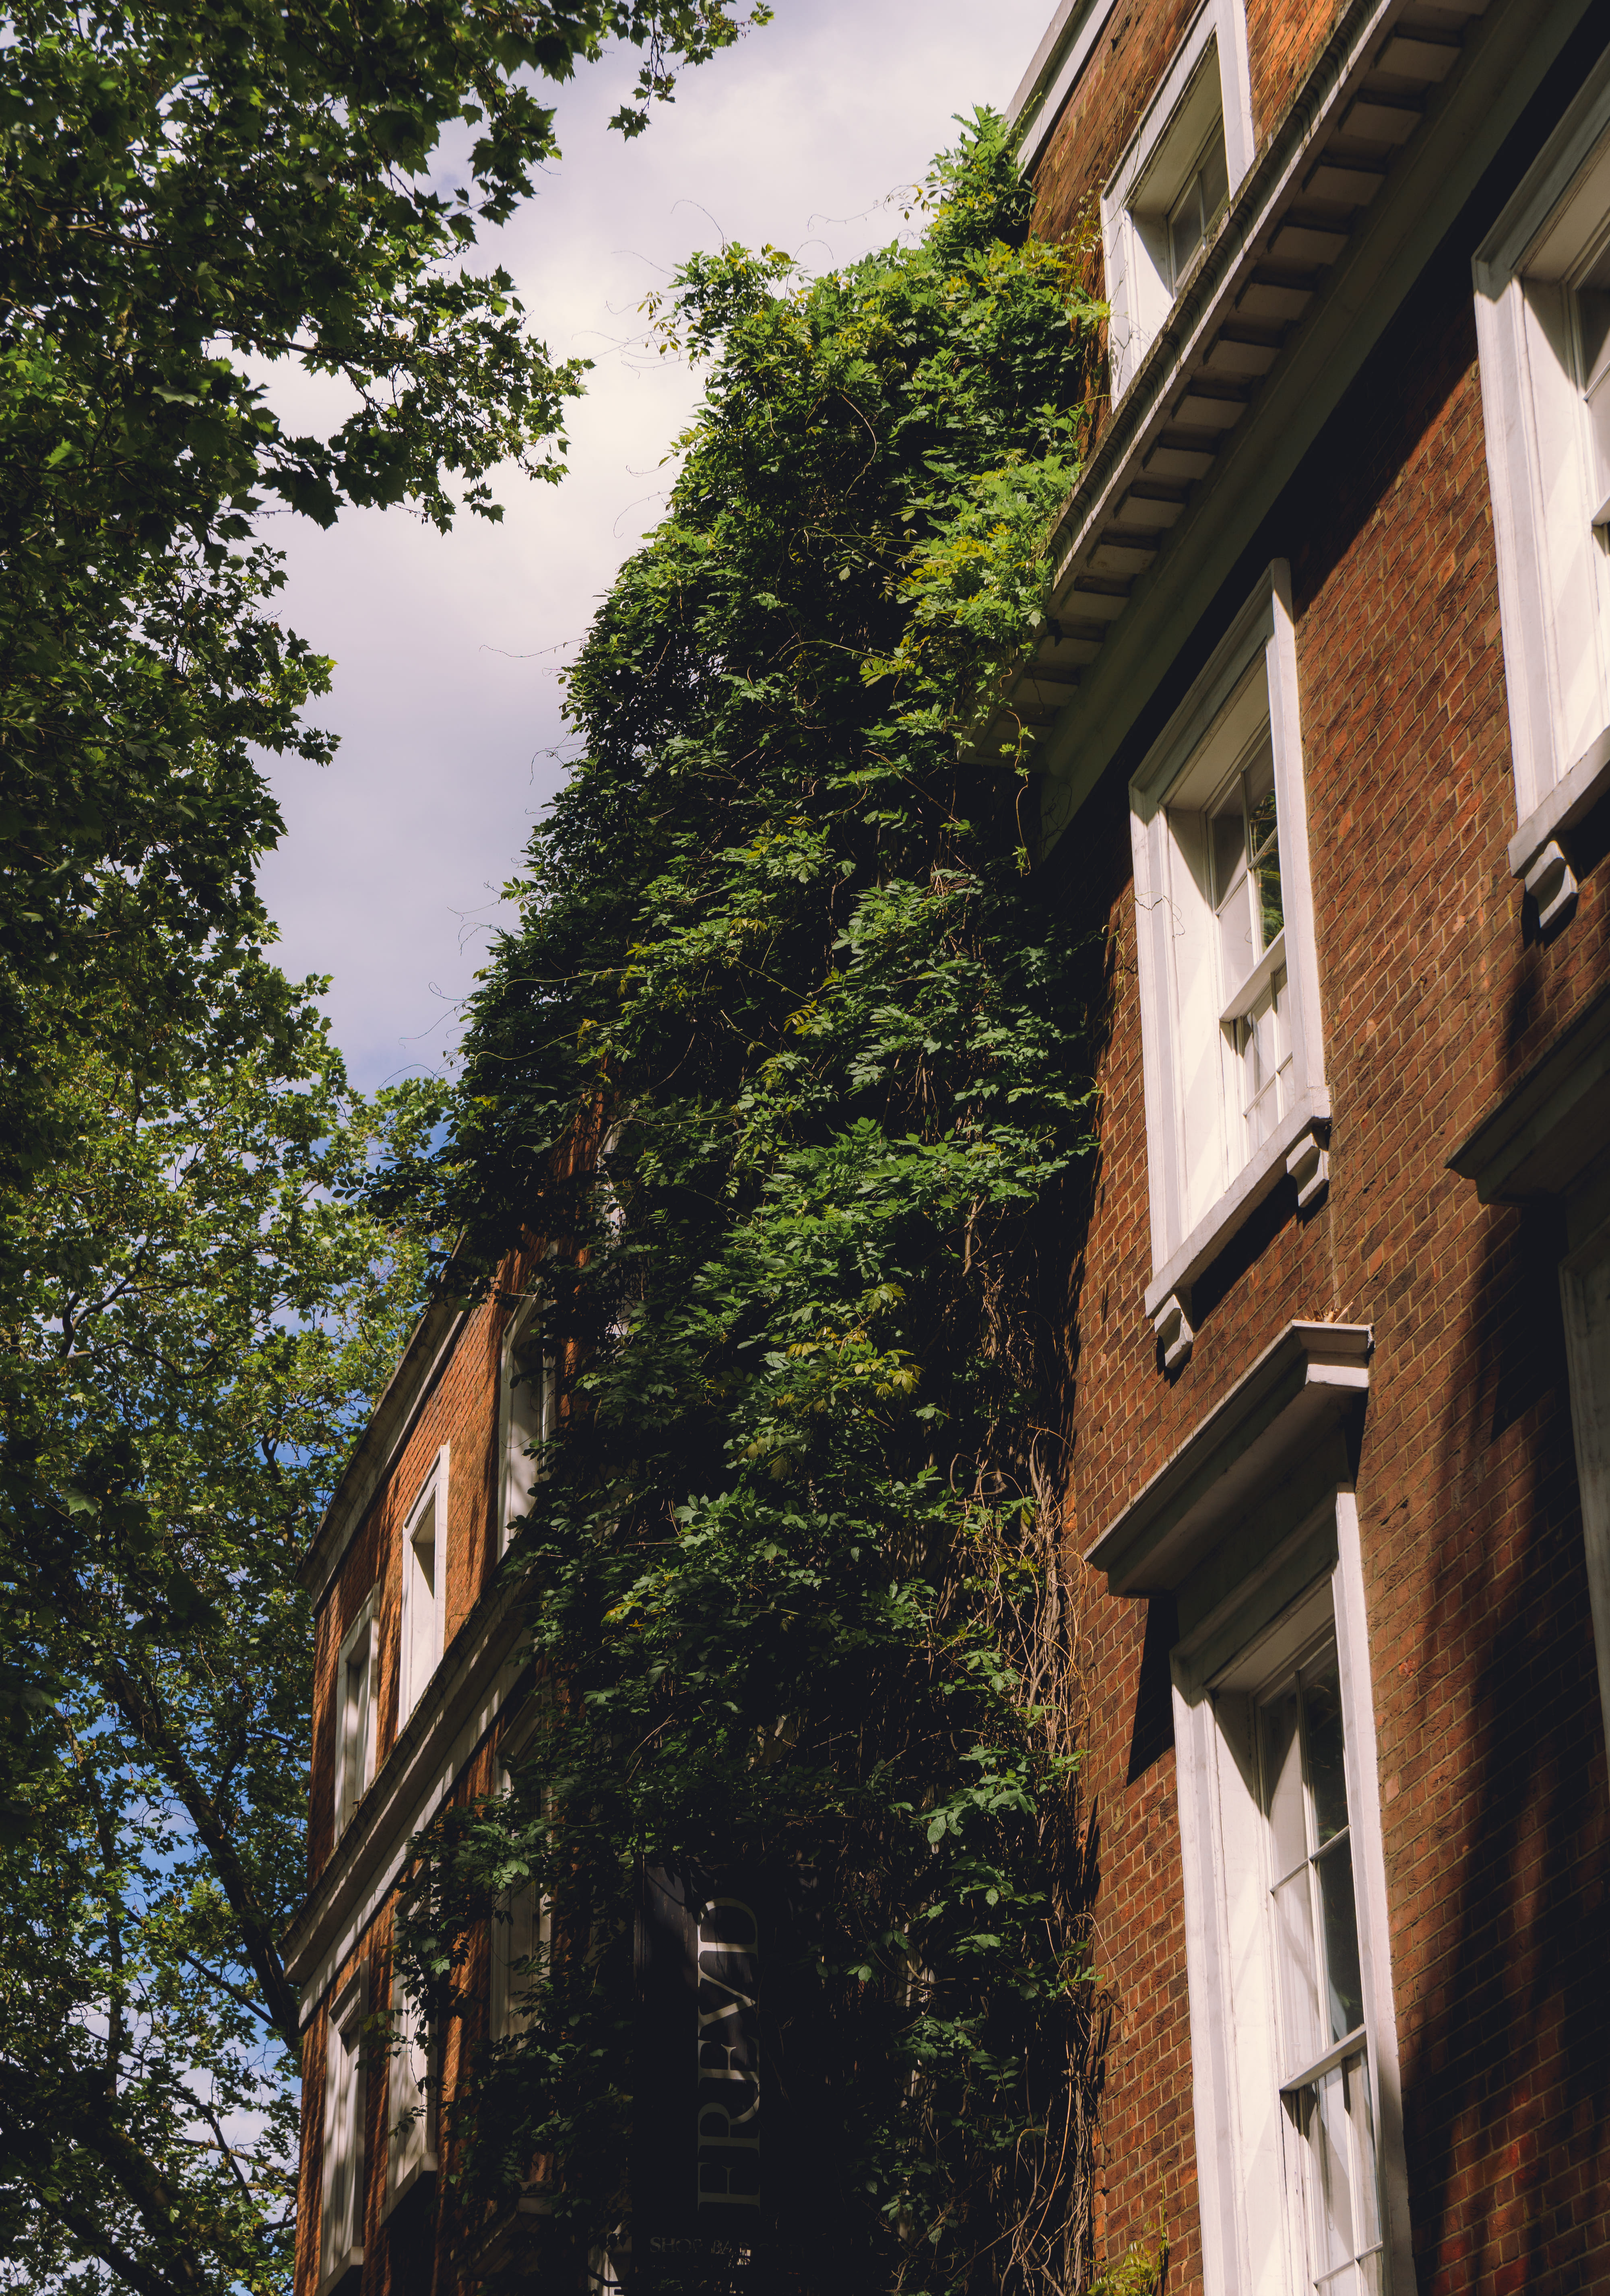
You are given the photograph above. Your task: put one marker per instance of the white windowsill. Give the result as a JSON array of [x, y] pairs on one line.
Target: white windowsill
[[1256, 1180], [1573, 796]]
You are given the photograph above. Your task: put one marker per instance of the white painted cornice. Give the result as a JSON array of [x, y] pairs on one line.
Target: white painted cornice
[[1546, 1132], [1053, 74], [1301, 1389]]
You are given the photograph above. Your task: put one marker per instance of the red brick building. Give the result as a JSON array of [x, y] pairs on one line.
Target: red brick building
[[1324, 704], [417, 1677]]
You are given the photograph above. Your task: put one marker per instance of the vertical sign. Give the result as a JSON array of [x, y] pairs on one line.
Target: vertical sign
[[698, 2150]]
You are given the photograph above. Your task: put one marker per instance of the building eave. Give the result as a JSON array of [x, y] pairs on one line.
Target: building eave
[[1038, 99], [1309, 262]]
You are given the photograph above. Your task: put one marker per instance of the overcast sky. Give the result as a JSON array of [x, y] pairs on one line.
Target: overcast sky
[[445, 695]]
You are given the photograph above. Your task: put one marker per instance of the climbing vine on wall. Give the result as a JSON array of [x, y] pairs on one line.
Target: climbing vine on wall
[[791, 1569]]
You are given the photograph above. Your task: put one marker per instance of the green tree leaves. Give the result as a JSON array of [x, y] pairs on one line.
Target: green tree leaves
[[187, 191], [792, 1578], [204, 1310], [196, 1306]]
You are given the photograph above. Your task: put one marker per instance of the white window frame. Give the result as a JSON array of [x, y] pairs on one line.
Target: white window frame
[[342, 2190], [411, 2101], [523, 1931], [1253, 2177], [519, 1427], [423, 1611], [1176, 967], [356, 1735], [1537, 450], [1138, 298]]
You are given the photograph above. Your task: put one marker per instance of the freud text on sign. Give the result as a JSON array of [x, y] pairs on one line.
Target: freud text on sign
[[697, 2179]]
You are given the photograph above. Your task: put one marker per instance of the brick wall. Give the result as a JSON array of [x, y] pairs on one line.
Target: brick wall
[[1121, 77], [461, 1407], [462, 1411], [1493, 1777], [1492, 1770], [1283, 38], [400, 2252], [1103, 113]]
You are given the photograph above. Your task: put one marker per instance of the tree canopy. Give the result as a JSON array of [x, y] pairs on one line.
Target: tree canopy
[[791, 1566], [197, 1304], [207, 1309], [190, 190]]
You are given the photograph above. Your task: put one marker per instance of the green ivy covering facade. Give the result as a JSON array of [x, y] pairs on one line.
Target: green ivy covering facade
[[792, 1572]]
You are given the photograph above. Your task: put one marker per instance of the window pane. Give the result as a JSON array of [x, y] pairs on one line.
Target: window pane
[[1185, 228], [1360, 2279], [1593, 319], [1237, 952], [1205, 193], [1263, 845], [1344, 1990], [1229, 848], [1215, 176], [1597, 398], [529, 1410], [344, 2072], [1344, 2202], [355, 1734], [1332, 2209], [1262, 1118], [1365, 2180], [1264, 1060], [1283, 1784], [422, 1607], [1327, 1774], [1593, 314], [1299, 1977]]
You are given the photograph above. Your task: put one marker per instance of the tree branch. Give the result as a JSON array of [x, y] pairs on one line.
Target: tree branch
[[153, 2199], [143, 1714]]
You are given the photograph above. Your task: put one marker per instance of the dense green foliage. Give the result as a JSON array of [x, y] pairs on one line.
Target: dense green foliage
[[791, 1568], [207, 1310], [190, 189], [195, 1310]]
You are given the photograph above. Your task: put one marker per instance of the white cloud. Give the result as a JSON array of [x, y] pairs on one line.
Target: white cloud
[[445, 696]]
